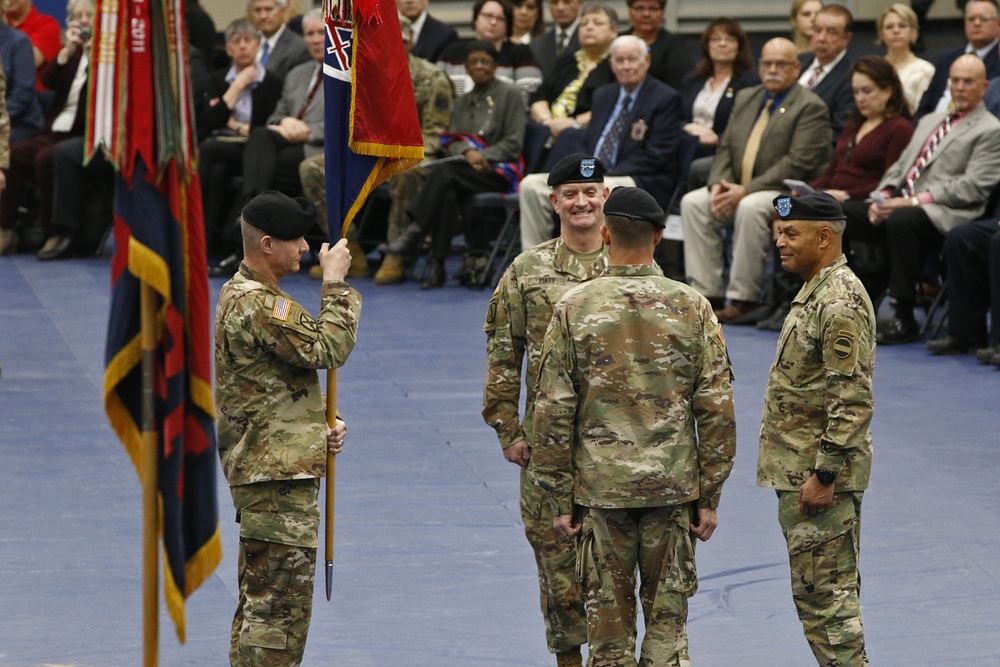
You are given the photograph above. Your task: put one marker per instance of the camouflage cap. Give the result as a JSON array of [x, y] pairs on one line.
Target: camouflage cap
[[577, 168], [634, 204], [812, 206], [280, 216]]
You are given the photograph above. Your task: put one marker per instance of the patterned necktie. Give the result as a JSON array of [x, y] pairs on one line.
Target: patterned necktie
[[561, 39], [311, 95], [910, 182], [753, 143], [265, 51], [609, 149], [814, 79]]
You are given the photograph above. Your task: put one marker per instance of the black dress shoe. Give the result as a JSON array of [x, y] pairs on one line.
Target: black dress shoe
[[776, 320], [898, 331], [434, 276], [60, 250], [955, 345], [989, 355], [227, 267]]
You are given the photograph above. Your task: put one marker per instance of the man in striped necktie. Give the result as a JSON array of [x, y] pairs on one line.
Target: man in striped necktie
[[942, 179]]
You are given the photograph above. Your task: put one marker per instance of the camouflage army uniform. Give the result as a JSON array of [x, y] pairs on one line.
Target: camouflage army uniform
[[272, 444], [817, 413], [634, 427], [435, 101], [518, 315]]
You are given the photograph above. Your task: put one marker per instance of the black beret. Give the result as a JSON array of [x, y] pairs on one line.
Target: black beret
[[576, 168], [280, 216], [635, 204], [812, 206], [481, 45]]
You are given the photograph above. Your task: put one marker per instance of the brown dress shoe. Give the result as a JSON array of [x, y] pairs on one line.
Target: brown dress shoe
[[736, 308]]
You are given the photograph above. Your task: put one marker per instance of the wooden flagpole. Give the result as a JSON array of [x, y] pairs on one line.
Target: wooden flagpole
[[150, 475]]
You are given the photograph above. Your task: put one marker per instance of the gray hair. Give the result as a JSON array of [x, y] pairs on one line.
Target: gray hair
[[629, 40], [315, 14], [241, 28]]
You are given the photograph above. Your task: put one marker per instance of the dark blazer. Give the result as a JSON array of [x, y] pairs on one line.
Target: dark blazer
[[693, 85], [434, 36], [290, 50], [543, 48], [650, 158], [835, 90], [264, 95], [671, 58], [940, 81], [795, 144], [564, 74], [59, 78], [293, 96]]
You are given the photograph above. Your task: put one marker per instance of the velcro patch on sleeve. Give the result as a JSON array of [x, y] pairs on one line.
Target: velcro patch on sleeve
[[281, 309]]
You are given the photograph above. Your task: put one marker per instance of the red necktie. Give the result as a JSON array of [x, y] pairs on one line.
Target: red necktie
[[311, 95]]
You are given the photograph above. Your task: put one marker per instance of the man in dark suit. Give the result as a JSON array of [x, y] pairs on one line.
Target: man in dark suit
[[281, 49], [777, 130], [430, 36], [633, 130], [560, 38], [828, 71], [293, 132], [942, 180], [982, 30]]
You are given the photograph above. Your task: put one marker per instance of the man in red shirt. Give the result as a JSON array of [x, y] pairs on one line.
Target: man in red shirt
[[42, 29]]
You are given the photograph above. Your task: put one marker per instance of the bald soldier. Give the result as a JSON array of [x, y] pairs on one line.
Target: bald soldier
[[518, 315], [273, 435], [634, 435], [815, 442]]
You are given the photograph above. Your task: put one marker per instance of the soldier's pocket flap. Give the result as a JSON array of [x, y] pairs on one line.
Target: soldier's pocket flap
[[265, 636], [844, 631], [822, 528]]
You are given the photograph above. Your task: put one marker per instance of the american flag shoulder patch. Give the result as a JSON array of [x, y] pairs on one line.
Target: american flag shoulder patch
[[280, 310]]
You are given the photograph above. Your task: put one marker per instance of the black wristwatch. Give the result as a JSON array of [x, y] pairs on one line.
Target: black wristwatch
[[826, 477]]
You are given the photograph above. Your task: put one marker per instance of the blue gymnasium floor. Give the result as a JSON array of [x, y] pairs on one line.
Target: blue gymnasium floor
[[432, 569]]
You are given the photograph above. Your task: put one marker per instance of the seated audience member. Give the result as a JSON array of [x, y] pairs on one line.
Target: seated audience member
[[942, 180], [992, 97], [241, 97], [293, 132], [898, 31], [488, 130], [801, 18], [67, 76], [435, 101], [827, 72], [430, 36], [972, 254], [982, 32], [778, 130], [281, 49], [726, 67], [560, 38], [491, 20], [633, 130], [564, 99], [18, 60], [42, 29], [528, 21], [6, 235], [671, 57], [876, 132]]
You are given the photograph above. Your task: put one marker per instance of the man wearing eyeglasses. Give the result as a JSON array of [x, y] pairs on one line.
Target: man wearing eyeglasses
[[778, 130], [827, 72], [982, 30]]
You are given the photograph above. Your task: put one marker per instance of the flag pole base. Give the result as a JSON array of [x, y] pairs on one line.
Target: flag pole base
[[329, 579]]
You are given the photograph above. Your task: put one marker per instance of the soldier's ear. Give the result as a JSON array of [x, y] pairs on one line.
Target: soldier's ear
[[266, 243]]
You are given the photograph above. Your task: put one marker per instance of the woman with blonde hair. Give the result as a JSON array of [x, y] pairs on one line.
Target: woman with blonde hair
[[801, 17], [898, 30]]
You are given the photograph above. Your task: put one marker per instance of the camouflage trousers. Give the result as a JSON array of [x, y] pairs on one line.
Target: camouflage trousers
[[823, 555], [279, 524], [555, 556], [613, 544]]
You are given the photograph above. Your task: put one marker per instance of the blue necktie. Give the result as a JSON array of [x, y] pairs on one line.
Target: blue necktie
[[264, 53], [609, 149]]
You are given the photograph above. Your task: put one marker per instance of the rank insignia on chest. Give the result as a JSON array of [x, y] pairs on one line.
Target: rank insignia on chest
[[639, 130], [843, 345], [281, 309]]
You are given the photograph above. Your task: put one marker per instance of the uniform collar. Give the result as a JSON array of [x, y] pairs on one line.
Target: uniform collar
[[819, 279], [633, 270], [565, 261]]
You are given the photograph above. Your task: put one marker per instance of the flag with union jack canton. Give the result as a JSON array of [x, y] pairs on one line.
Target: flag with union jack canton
[[372, 129]]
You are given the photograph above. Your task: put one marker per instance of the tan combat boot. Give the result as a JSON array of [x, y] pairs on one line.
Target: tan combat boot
[[569, 658], [391, 272], [359, 262]]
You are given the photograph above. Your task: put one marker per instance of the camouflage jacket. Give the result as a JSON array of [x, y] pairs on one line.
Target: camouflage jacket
[[4, 123], [435, 99], [635, 402], [272, 414], [516, 321], [818, 403]]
